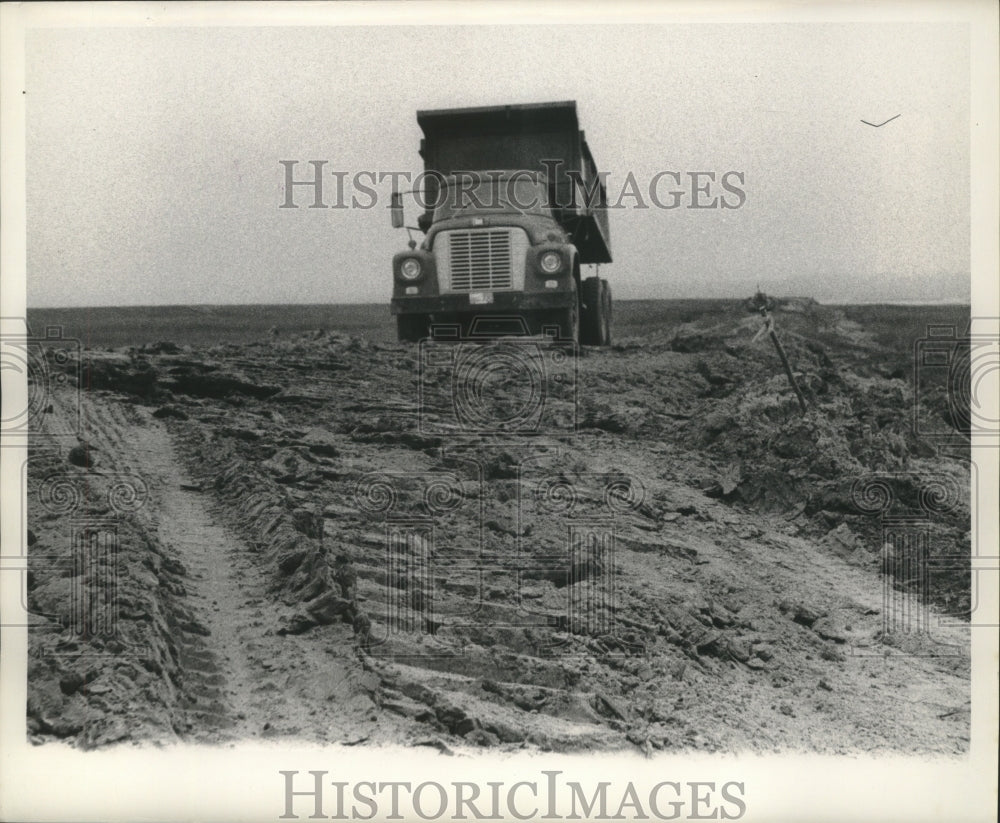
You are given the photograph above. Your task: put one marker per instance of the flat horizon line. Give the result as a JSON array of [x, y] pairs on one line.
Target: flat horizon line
[[950, 301]]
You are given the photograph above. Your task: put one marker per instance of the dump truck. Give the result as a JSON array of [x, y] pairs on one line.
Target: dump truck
[[513, 207]]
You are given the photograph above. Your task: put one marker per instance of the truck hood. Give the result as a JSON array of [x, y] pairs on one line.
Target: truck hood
[[537, 227]]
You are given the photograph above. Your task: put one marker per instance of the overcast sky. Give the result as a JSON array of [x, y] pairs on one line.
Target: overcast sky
[[153, 154]]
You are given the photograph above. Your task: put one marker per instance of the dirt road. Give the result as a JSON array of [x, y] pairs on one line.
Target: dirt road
[[337, 540]]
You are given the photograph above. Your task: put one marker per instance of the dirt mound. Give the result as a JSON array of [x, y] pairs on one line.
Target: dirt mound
[[855, 445]]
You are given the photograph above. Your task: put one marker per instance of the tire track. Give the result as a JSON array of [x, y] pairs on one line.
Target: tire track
[[238, 679]]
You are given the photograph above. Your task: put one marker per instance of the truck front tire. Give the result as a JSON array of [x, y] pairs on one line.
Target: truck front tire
[[595, 323], [566, 321], [563, 323], [412, 328]]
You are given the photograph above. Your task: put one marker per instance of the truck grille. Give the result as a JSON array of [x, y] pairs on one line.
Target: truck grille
[[481, 260]]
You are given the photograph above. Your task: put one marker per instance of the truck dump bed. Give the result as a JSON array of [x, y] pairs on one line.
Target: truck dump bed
[[495, 138]]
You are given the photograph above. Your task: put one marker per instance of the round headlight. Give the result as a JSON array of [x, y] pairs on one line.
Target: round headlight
[[410, 269], [551, 262]]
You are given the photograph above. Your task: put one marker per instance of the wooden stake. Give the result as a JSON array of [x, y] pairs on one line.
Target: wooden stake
[[769, 328]]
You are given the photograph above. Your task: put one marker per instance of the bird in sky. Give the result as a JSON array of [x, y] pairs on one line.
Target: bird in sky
[[881, 124]]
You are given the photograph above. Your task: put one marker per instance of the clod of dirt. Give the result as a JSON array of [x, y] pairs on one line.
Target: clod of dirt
[[740, 649], [82, 456], [801, 613], [195, 627], [329, 608], [297, 624], [454, 718], [481, 737], [217, 385], [320, 441], [765, 653], [71, 682], [162, 347], [725, 483], [237, 433], [119, 372], [170, 411], [308, 522], [287, 466], [616, 418], [609, 706], [829, 630]]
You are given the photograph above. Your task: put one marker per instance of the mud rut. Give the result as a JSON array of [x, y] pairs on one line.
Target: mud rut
[[241, 680], [222, 582]]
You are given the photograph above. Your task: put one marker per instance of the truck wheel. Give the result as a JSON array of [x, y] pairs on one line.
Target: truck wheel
[[564, 323], [608, 314], [567, 321], [595, 324], [411, 328]]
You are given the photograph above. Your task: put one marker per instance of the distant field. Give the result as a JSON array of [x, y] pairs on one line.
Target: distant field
[[895, 324], [109, 327]]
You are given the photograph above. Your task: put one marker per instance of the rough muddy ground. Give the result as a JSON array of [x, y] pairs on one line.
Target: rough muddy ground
[[503, 545]]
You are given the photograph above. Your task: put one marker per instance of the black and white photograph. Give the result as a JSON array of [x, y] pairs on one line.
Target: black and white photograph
[[424, 411]]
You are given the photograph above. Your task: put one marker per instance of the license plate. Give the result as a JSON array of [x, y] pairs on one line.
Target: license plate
[[480, 298]]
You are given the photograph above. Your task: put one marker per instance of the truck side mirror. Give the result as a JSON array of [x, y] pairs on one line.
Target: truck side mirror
[[396, 207]]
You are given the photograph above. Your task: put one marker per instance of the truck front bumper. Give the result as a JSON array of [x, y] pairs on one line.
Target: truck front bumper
[[502, 302]]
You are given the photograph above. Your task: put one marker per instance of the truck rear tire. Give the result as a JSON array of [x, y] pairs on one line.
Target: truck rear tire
[[412, 328], [595, 323]]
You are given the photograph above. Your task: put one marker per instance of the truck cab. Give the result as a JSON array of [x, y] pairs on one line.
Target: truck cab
[[493, 247], [503, 242]]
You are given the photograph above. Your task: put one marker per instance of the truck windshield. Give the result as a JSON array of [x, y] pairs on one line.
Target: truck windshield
[[520, 195]]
